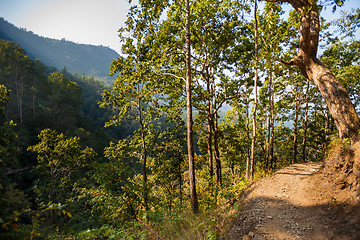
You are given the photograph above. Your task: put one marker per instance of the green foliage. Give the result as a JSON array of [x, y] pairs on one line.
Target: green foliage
[[8, 149], [61, 165], [349, 22], [61, 162], [234, 142], [104, 232], [4, 94], [64, 100]]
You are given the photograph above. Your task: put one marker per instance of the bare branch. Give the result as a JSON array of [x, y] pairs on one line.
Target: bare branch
[[171, 74], [13, 171]]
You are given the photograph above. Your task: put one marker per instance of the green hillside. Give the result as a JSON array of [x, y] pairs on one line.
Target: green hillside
[[81, 58]]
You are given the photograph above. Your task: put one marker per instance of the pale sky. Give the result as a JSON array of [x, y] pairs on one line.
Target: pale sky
[[82, 21]]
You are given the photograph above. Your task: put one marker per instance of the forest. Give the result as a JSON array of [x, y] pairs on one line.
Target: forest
[[153, 155]]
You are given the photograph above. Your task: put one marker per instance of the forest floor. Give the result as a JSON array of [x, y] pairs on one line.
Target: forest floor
[[297, 202]]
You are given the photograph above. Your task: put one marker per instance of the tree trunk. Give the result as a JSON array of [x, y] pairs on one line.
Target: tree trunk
[[19, 93], [189, 121], [268, 137], [216, 138], [144, 171], [335, 95], [209, 149], [305, 122], [217, 153], [180, 181], [336, 98], [210, 133], [253, 141], [294, 160], [248, 136], [272, 120], [52, 197], [143, 156]]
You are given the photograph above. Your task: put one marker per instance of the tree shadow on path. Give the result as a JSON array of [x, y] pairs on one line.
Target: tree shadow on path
[[269, 218]]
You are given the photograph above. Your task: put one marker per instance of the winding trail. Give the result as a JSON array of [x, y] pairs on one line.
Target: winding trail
[[294, 203]]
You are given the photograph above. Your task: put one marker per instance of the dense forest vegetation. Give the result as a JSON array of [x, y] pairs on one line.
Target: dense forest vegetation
[[152, 173], [81, 58]]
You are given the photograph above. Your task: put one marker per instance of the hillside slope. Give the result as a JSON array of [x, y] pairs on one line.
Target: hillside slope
[[297, 202], [81, 58]]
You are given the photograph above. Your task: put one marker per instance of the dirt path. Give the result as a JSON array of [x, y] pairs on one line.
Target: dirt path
[[295, 203]]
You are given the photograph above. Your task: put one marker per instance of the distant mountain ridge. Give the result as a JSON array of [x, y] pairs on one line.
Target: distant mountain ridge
[[81, 58]]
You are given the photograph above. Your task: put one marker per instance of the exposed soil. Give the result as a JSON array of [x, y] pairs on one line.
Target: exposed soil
[[298, 202]]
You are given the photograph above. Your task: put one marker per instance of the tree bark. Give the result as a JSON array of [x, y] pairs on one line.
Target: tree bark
[[143, 155], [248, 136], [294, 160], [305, 122], [253, 141], [336, 98], [209, 148], [272, 121], [215, 131], [189, 121], [217, 153], [267, 139], [210, 133], [180, 181], [334, 93]]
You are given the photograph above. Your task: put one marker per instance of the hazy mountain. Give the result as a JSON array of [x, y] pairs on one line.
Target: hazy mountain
[[81, 58]]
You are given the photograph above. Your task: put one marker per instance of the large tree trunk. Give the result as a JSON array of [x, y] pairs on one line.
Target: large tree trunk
[[189, 121], [335, 95], [336, 98]]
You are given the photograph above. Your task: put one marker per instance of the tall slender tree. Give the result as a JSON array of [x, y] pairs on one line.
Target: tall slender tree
[[296, 112], [189, 120], [305, 123], [253, 142]]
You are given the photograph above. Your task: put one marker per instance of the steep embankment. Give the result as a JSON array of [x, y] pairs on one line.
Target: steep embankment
[[297, 202]]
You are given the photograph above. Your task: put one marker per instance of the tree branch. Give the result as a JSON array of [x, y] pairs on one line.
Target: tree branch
[[226, 99], [294, 61], [13, 171], [172, 75]]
